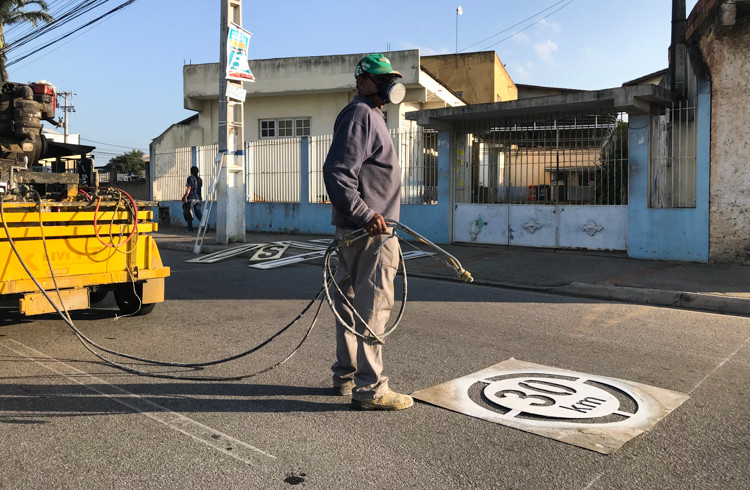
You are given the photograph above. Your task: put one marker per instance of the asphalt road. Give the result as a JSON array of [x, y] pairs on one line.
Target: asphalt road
[[69, 421]]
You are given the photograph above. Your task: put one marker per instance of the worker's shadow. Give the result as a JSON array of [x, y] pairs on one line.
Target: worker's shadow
[[25, 403]]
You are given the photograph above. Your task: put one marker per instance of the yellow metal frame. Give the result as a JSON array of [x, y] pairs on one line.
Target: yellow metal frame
[[77, 257]]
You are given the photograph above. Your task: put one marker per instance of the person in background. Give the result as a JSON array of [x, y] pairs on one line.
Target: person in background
[[363, 179], [193, 191]]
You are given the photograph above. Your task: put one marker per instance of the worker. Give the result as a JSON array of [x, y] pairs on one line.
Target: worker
[[192, 197], [363, 180]]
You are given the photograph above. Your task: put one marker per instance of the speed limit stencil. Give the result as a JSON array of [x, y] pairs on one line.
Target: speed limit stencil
[[593, 412]]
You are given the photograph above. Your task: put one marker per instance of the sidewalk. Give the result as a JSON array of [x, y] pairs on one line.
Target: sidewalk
[[603, 275]]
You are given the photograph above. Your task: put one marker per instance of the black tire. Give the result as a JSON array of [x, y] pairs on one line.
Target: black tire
[[129, 301], [97, 294]]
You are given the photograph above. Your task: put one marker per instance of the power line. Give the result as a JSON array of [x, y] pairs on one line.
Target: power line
[[447, 62], [530, 25], [110, 144], [60, 20], [514, 25], [86, 5]]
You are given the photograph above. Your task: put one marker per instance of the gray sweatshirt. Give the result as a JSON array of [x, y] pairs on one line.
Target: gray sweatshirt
[[361, 171]]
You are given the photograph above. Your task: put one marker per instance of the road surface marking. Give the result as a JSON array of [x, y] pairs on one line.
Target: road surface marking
[[202, 433]]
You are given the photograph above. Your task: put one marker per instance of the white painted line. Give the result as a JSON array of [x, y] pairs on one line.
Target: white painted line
[[202, 433], [720, 365], [272, 264], [225, 254], [303, 245]]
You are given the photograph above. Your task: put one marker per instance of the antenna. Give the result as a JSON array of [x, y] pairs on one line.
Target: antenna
[[459, 11]]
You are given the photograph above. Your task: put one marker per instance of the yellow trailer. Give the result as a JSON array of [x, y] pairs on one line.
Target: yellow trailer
[[87, 249]]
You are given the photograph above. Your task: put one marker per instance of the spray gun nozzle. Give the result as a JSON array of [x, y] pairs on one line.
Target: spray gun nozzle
[[465, 276]]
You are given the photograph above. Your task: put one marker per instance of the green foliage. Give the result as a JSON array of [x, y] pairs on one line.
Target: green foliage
[[13, 12], [130, 163]]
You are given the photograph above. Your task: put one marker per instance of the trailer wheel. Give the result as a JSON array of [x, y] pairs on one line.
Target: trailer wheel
[[129, 301], [97, 295]]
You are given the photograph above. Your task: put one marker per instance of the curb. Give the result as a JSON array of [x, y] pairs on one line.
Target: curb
[[657, 297]]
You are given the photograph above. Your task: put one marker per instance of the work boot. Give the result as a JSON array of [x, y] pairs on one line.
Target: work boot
[[390, 401], [344, 389]]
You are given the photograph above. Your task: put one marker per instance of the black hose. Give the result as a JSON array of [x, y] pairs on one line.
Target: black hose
[[328, 279]]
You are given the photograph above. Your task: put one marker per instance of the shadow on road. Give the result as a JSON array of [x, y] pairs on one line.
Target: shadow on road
[[31, 403]]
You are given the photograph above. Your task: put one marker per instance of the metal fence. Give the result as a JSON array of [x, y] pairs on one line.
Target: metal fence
[[672, 163], [319, 146], [565, 158], [273, 166], [272, 170], [417, 154], [171, 169]]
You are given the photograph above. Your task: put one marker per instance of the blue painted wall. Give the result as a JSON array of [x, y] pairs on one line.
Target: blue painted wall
[[668, 234], [432, 221]]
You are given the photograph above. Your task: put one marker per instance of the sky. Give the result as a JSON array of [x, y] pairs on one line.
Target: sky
[[126, 71]]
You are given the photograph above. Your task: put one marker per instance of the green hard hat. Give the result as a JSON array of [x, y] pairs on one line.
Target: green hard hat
[[377, 64]]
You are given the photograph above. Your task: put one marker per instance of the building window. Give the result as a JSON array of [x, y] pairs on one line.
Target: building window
[[302, 127], [285, 128], [268, 129]]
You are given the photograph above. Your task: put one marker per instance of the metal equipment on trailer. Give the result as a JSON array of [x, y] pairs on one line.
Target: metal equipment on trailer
[[77, 239]]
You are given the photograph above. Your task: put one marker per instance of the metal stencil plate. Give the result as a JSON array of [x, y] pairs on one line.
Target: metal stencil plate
[[593, 412]]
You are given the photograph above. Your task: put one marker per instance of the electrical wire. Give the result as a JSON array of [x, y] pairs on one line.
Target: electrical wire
[[451, 60], [514, 25], [111, 144]]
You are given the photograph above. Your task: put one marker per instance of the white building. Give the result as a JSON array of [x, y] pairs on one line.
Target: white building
[[296, 97]]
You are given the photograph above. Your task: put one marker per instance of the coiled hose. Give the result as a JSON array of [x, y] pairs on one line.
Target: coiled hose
[[328, 275]]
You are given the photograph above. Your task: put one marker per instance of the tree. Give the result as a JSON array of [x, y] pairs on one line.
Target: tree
[[13, 12], [131, 163]]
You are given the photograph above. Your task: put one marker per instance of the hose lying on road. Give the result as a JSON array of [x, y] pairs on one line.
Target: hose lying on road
[[328, 275]]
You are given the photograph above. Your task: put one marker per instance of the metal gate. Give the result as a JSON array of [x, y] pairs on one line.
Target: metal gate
[[546, 180]]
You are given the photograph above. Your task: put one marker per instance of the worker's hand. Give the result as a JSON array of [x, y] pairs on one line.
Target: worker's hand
[[376, 225], [184, 198]]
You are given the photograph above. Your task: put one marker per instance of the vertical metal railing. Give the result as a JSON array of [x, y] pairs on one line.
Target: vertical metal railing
[[171, 169], [319, 146], [417, 154], [273, 170], [205, 156], [673, 157], [571, 158]]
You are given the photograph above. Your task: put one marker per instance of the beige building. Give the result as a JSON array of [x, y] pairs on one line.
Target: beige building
[[478, 78]]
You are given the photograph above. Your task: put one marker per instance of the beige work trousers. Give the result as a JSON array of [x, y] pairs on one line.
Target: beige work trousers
[[366, 278]]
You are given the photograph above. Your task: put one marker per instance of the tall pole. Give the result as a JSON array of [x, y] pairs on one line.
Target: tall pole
[[66, 109], [230, 219]]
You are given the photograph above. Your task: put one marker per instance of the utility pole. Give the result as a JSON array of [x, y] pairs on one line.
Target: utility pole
[[230, 198], [66, 109]]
